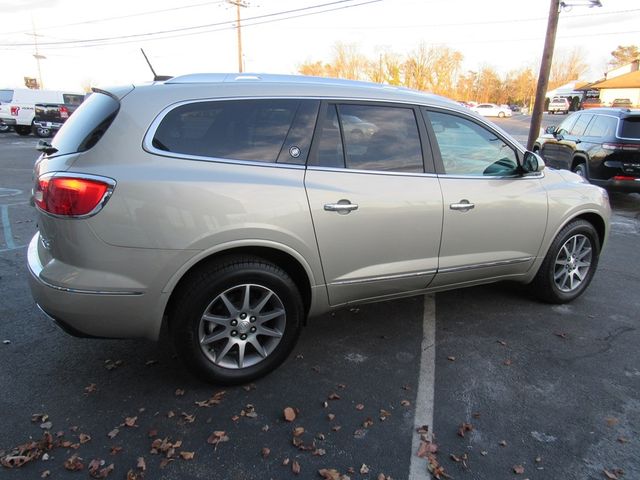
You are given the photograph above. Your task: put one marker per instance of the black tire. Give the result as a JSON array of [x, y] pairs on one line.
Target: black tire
[[500, 114], [581, 169], [43, 132], [206, 293], [552, 276], [22, 130], [4, 127]]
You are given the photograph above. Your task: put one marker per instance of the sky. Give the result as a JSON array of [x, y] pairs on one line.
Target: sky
[[86, 42]]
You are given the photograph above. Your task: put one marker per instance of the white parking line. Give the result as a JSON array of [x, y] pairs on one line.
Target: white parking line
[[426, 383], [6, 227]]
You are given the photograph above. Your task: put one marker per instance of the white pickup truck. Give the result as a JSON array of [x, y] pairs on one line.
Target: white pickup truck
[[17, 105], [559, 104]]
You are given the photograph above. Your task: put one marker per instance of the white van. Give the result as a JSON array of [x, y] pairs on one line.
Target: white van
[[17, 105]]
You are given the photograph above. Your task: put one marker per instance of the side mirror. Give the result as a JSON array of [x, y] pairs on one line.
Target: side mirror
[[550, 129], [532, 163]]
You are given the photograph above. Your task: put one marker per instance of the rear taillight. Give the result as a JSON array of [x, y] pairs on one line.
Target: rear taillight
[[72, 196], [64, 112], [15, 111], [621, 146], [625, 178]]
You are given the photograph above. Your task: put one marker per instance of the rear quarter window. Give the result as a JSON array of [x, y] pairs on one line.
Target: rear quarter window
[[6, 96], [253, 130], [630, 128], [87, 125]]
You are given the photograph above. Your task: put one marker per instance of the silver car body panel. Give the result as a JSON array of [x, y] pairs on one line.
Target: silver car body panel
[[113, 274]]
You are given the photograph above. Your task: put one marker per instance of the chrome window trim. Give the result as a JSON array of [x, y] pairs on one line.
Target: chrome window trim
[[485, 265], [371, 172], [199, 158], [384, 278], [103, 201]]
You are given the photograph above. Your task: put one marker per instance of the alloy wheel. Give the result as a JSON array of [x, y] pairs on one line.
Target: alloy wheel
[[572, 263]]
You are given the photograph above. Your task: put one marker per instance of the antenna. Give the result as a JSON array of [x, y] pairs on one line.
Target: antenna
[[156, 77]]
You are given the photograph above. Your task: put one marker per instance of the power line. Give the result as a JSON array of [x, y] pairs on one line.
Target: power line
[[183, 29]]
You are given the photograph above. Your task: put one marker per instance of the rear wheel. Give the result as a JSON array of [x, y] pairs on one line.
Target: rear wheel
[[569, 264], [4, 127], [43, 132], [237, 320], [581, 169], [500, 114], [22, 130]]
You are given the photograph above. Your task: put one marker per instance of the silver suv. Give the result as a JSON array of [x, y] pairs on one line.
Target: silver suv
[[231, 208]]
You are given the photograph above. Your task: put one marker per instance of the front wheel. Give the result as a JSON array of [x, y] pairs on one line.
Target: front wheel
[[581, 169], [43, 132], [237, 320], [569, 264], [22, 130], [500, 114]]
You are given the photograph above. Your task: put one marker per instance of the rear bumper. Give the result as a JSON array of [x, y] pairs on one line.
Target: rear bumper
[[50, 125], [90, 313], [9, 121], [628, 186]]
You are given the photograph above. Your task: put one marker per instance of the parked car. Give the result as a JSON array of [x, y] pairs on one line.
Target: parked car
[[622, 103], [559, 104], [602, 145], [515, 108], [229, 208], [17, 108], [50, 117], [591, 103], [492, 110]]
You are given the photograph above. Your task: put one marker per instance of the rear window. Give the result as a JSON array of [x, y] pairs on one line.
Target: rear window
[[87, 124], [6, 96], [253, 130], [72, 99], [630, 128]]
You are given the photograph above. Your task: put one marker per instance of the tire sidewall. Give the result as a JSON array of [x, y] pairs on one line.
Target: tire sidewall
[[575, 228], [186, 327]]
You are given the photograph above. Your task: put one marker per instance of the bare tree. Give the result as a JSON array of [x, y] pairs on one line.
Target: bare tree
[[313, 69], [434, 69], [567, 67], [387, 69], [624, 55], [347, 62]]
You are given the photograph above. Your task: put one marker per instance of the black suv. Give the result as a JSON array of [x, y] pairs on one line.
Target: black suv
[[600, 144]]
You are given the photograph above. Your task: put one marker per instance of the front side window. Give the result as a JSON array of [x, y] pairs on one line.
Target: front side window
[[467, 148], [369, 137], [566, 126], [252, 130]]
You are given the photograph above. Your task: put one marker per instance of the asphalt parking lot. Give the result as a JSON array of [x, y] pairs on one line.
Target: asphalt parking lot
[[510, 387]]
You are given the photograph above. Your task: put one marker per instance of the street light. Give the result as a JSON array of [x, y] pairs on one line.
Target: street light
[[545, 64]]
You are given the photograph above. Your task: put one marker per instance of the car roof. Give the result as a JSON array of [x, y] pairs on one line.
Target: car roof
[[257, 85], [618, 112]]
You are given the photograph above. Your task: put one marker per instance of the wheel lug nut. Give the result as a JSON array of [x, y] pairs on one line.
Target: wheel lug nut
[[243, 336], [252, 319], [253, 329], [243, 316], [233, 333], [234, 323]]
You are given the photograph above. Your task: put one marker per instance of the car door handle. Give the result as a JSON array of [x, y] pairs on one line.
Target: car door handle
[[463, 206], [343, 206]]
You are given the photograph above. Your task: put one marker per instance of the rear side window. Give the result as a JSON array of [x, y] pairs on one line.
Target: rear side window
[[87, 125], [630, 128], [6, 96], [602, 126], [252, 130]]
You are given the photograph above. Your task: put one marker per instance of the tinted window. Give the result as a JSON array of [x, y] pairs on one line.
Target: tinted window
[[236, 129], [467, 148], [87, 124], [565, 127], [330, 152], [381, 138], [630, 128], [72, 99], [580, 125], [6, 96], [602, 126], [296, 147]]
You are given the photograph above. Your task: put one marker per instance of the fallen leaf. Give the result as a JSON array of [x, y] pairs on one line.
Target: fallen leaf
[[166, 461], [475, 415], [96, 471], [298, 431], [285, 461], [84, 438], [451, 359], [45, 474], [113, 433], [464, 427], [141, 464], [91, 388], [405, 403], [484, 453], [518, 469], [538, 459], [265, 452], [130, 421], [503, 443], [426, 448], [39, 417], [187, 455], [364, 469], [295, 467], [623, 440], [384, 414], [336, 428], [46, 425], [423, 430], [217, 437], [73, 463], [455, 458], [342, 385], [331, 417], [560, 334], [334, 396], [179, 392], [367, 423], [289, 414], [215, 399], [248, 388], [359, 406], [114, 450], [611, 421], [507, 362], [329, 474], [148, 363], [502, 342], [615, 474], [319, 452], [360, 433], [171, 413], [187, 418]]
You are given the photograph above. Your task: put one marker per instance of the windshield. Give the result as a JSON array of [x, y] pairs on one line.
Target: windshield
[[86, 125], [6, 96]]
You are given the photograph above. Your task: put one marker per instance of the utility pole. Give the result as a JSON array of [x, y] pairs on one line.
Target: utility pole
[[545, 66], [238, 4], [37, 55]]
